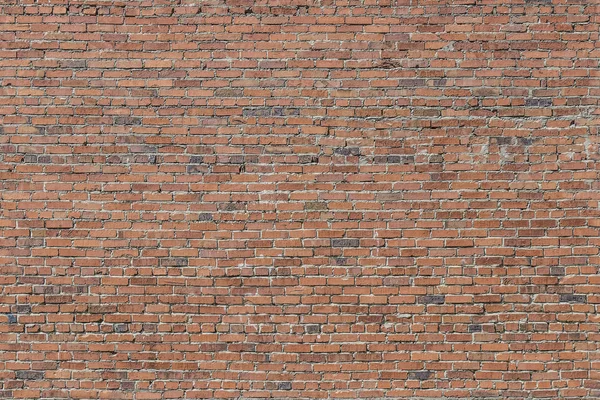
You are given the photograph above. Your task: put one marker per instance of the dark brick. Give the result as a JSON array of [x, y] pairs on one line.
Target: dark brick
[[394, 159], [205, 217], [128, 120], [74, 289], [188, 83], [23, 309], [72, 64], [174, 262], [136, 148], [411, 82], [231, 206], [308, 159], [284, 111], [232, 160], [522, 141], [538, 102], [420, 375], [284, 386], [573, 298], [475, 328], [30, 375], [432, 299], [345, 242], [197, 169], [502, 140], [102, 308], [347, 151], [58, 299], [145, 159], [257, 112], [228, 92], [436, 158]]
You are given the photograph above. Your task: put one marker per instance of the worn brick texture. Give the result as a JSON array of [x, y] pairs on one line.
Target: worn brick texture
[[299, 199]]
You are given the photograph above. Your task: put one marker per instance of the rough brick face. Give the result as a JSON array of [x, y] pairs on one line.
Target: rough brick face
[[299, 199]]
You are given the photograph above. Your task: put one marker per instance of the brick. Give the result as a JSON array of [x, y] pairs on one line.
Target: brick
[[538, 102], [173, 262], [573, 298], [30, 375], [432, 299], [315, 205], [347, 151], [128, 121], [345, 242], [420, 375], [325, 199], [23, 309], [205, 217]]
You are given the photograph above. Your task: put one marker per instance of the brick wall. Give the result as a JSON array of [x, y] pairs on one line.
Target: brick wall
[[299, 199]]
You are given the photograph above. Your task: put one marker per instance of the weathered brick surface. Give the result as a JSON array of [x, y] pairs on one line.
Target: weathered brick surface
[[299, 199]]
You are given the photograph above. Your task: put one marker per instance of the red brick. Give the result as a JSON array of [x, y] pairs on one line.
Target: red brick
[[333, 200]]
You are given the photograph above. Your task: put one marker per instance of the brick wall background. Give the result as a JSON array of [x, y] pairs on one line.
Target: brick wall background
[[299, 199]]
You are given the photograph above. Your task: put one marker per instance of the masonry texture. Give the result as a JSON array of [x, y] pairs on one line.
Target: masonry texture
[[299, 199]]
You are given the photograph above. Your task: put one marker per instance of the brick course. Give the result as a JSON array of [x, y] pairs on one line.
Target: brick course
[[299, 199]]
